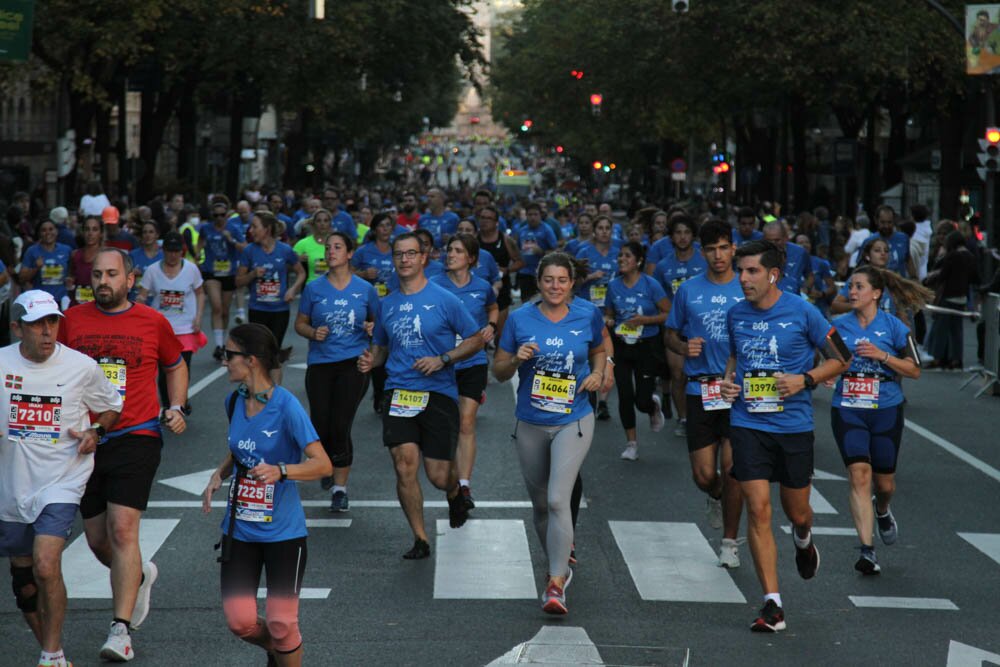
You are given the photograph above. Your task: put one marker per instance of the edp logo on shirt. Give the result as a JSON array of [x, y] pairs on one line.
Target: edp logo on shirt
[[719, 299], [760, 326], [554, 342]]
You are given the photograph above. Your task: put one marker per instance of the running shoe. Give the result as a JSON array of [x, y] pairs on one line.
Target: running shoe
[[771, 619], [554, 600], [656, 419], [118, 647], [729, 554], [326, 483], [602, 411], [241, 316], [61, 662], [713, 510], [217, 354], [887, 528], [420, 550], [807, 560], [339, 502], [141, 609], [868, 562], [466, 494], [631, 452], [457, 512], [682, 428]]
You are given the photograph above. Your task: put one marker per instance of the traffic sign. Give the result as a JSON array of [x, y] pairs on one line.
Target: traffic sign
[[678, 165]]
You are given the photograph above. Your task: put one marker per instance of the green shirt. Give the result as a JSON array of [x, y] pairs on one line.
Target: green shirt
[[316, 252]]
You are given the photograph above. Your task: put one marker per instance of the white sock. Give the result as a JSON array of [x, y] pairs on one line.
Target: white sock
[[337, 487], [463, 482], [220, 337], [57, 657], [773, 596], [801, 542]]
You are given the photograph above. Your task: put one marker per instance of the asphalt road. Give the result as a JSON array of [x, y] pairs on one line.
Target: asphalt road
[[644, 548]]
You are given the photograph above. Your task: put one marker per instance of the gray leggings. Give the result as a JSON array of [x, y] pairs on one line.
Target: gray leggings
[[551, 457]]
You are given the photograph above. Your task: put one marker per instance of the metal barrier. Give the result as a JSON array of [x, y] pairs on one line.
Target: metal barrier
[[989, 372]]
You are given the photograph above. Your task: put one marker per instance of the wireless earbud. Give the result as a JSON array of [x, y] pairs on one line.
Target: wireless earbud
[[772, 280]]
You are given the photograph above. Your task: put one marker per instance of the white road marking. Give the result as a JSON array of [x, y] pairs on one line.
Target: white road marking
[[299, 366], [207, 380], [988, 543], [673, 561], [86, 578], [377, 504], [819, 504], [827, 476], [963, 655], [879, 602], [555, 646], [304, 593], [823, 530], [954, 450], [484, 560], [328, 523], [193, 483]]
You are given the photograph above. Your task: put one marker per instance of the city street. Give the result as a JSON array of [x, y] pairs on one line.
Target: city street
[[647, 590]]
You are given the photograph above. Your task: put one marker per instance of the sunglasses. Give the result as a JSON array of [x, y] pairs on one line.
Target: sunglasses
[[229, 354]]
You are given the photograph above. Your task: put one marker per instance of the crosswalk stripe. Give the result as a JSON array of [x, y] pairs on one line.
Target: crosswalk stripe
[[988, 543], [826, 530], [819, 504], [328, 523], [484, 560], [377, 504], [878, 602], [86, 578], [304, 593], [964, 655], [556, 646], [673, 561]]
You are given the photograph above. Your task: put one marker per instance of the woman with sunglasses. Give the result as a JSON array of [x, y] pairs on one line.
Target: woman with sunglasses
[[272, 444], [220, 242]]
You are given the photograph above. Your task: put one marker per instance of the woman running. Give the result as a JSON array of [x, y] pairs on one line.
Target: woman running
[[558, 352], [220, 242], [635, 309], [81, 261], [147, 254], [478, 298], [45, 265], [265, 528], [334, 312], [867, 408], [584, 234], [312, 248], [875, 254], [485, 267]]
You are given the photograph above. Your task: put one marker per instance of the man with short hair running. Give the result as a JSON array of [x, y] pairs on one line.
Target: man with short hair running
[[773, 338]]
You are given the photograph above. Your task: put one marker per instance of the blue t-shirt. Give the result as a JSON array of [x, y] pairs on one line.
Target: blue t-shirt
[[563, 348], [343, 222], [886, 303], [782, 338], [418, 325], [540, 237], [797, 269], [268, 293], [486, 268], [574, 246], [51, 277], [344, 311], [659, 250], [65, 236], [740, 240], [369, 256], [607, 263], [221, 255], [640, 299], [441, 226], [821, 271], [887, 333], [699, 311], [899, 250], [277, 434], [672, 272], [434, 268], [476, 296], [142, 261]]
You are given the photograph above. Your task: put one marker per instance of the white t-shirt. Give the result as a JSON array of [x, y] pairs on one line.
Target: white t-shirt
[[922, 237], [94, 204], [40, 403], [174, 297]]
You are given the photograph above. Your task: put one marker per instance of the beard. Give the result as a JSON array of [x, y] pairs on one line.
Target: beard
[[112, 300]]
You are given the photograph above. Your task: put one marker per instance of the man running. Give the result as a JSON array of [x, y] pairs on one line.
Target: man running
[[45, 459], [772, 341], [130, 342]]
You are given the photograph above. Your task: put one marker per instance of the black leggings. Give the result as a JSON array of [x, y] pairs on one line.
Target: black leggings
[[378, 386], [635, 377], [335, 390], [276, 321], [162, 380]]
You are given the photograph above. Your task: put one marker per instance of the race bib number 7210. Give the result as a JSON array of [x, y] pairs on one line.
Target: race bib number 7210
[[37, 418]]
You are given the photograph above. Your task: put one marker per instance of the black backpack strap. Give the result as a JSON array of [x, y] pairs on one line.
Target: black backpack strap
[[226, 543], [231, 406]]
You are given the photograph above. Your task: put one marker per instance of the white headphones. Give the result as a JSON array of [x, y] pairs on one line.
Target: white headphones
[[772, 280]]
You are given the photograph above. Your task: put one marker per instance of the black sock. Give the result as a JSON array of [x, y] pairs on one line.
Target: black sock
[[127, 624]]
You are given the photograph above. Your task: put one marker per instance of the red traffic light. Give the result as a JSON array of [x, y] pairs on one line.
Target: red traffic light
[[596, 99], [576, 74], [559, 149], [993, 135], [598, 165], [527, 122], [721, 168]]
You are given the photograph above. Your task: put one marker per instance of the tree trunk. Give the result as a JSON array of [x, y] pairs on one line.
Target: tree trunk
[[892, 172], [81, 116], [870, 193], [800, 176], [157, 110], [952, 128], [102, 143]]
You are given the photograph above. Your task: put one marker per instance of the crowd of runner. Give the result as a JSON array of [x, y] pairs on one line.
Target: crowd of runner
[[714, 321]]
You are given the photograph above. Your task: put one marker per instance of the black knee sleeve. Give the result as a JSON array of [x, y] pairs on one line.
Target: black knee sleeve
[[22, 580]]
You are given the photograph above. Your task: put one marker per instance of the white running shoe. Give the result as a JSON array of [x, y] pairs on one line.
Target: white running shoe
[[141, 609], [241, 316], [631, 452], [729, 554], [656, 419], [713, 510], [118, 648]]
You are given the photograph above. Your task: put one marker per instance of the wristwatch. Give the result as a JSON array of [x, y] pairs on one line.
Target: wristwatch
[[445, 359], [284, 471], [809, 380], [99, 430]]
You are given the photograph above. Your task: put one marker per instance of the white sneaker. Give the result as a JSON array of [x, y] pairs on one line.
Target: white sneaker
[[682, 430], [141, 609], [241, 316], [118, 648], [713, 510], [729, 554], [631, 452], [656, 419]]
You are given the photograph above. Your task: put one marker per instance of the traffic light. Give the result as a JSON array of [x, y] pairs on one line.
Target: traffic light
[[526, 125], [576, 74], [721, 168], [559, 149], [595, 103], [989, 158], [597, 165], [680, 6]]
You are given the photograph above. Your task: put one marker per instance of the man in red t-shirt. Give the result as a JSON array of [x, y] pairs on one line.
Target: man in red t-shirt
[[409, 216], [131, 342]]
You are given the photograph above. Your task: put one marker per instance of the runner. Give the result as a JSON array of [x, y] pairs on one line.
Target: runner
[[796, 272], [772, 341], [867, 408], [534, 239], [311, 249], [81, 261], [438, 220], [265, 529], [174, 287], [478, 299], [334, 315], [635, 309], [148, 253], [130, 342], [558, 352], [415, 339], [46, 263], [746, 227], [45, 459], [875, 254], [505, 252], [485, 266], [373, 262], [696, 329], [584, 234], [220, 241]]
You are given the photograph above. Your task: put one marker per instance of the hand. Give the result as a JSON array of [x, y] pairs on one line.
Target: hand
[[174, 420], [591, 383], [196, 325], [39, 263], [365, 361], [428, 365], [290, 295], [831, 383], [789, 384], [869, 351], [260, 271], [526, 352], [695, 346], [634, 321], [265, 472], [487, 333], [728, 388], [88, 440], [214, 482], [369, 328], [320, 333], [609, 378]]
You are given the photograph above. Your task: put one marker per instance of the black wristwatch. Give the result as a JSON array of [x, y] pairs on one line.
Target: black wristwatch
[[284, 471], [810, 382], [445, 359], [99, 430]]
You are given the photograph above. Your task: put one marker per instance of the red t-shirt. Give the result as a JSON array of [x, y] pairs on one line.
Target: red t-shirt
[[408, 221], [130, 347]]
